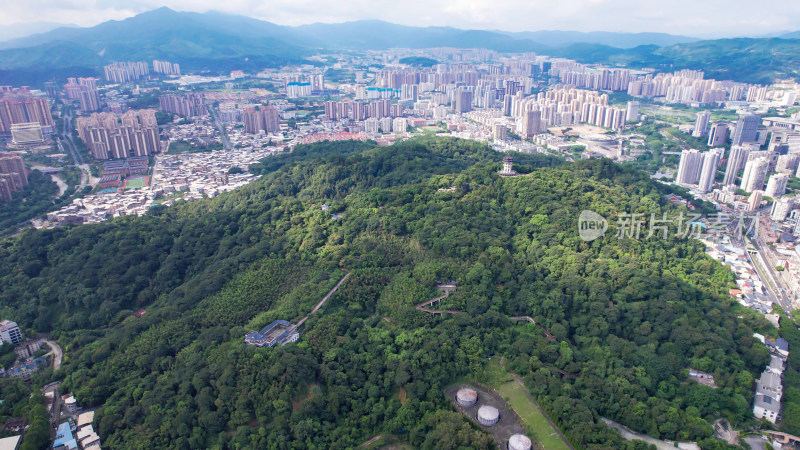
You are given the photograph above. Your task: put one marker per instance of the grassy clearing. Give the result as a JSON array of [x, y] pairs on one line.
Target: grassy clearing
[[387, 442], [533, 419]]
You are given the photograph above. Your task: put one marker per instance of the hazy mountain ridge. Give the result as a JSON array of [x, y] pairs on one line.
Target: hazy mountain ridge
[[21, 30], [560, 38], [211, 41], [218, 42]]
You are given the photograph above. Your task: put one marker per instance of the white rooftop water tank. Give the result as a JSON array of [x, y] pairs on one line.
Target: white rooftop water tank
[[466, 397], [488, 415], [519, 442]]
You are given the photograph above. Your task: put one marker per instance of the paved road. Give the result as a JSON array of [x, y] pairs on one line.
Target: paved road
[[86, 173], [58, 354], [767, 253], [767, 274], [156, 166], [756, 442], [213, 113], [629, 434], [55, 415], [62, 186], [778, 293], [67, 133]]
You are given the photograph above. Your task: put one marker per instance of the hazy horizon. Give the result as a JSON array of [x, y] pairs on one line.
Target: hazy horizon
[[712, 19]]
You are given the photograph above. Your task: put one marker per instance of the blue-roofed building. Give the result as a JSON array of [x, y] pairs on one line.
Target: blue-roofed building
[[64, 438], [63, 430], [278, 332], [26, 369], [66, 443], [780, 346]]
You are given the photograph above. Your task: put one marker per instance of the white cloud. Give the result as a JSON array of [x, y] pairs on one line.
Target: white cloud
[[690, 17]]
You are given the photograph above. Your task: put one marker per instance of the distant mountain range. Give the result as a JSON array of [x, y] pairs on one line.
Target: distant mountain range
[[556, 38], [378, 35], [190, 38], [217, 42], [19, 30]]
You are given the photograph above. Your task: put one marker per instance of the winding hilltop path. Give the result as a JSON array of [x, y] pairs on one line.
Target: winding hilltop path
[[447, 288], [530, 319]]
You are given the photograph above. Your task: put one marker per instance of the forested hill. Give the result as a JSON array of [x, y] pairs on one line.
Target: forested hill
[[628, 317], [748, 60]]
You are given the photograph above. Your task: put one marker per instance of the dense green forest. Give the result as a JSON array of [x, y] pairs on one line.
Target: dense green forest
[[20, 400], [628, 316]]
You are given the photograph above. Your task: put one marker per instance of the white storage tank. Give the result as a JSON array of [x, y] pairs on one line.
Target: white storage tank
[[488, 415], [467, 397], [519, 442]]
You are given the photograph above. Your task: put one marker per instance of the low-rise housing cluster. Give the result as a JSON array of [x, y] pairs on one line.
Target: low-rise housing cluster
[[205, 174], [196, 175], [96, 208], [240, 139], [27, 363], [750, 290], [200, 132], [27, 368], [77, 435]]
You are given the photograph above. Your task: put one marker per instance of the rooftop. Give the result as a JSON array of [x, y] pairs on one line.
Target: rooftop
[[270, 335], [779, 344], [770, 379], [768, 403], [777, 363], [10, 443], [85, 418]]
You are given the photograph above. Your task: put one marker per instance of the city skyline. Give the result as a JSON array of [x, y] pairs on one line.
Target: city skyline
[[711, 19]]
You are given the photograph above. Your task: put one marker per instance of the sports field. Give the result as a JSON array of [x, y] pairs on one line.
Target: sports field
[[136, 182]]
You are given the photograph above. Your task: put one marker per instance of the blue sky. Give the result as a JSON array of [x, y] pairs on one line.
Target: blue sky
[[704, 18]]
